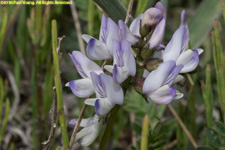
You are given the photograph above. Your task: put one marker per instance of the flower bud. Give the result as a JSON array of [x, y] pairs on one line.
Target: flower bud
[[151, 18], [152, 64], [183, 18], [139, 84], [146, 53]]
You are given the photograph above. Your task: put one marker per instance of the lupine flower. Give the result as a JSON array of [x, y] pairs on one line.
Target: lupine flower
[[88, 134], [103, 48], [83, 87], [157, 85], [155, 17], [123, 61], [108, 93], [175, 50]]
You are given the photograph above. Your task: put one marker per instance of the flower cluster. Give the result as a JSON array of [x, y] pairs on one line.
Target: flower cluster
[[161, 65]]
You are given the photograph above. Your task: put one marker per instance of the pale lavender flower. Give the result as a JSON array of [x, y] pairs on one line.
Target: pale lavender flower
[[152, 17], [83, 87], [89, 133], [157, 85], [123, 61], [175, 50], [183, 18], [103, 48], [108, 93]]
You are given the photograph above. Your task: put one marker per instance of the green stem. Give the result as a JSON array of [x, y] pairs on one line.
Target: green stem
[[144, 135], [58, 86], [109, 126]]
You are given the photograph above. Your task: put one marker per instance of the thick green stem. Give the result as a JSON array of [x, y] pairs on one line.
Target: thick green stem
[[144, 134], [58, 86], [109, 126]]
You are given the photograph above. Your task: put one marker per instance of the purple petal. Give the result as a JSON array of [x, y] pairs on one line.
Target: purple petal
[[176, 45], [169, 80], [125, 33], [113, 90], [192, 63], [164, 95], [183, 18], [151, 16], [185, 57], [86, 37], [84, 122], [129, 60], [157, 77], [103, 107], [88, 134], [82, 88], [113, 34], [84, 65], [120, 74], [97, 50], [103, 31], [161, 47], [118, 53], [160, 6], [135, 25], [98, 86], [157, 35]]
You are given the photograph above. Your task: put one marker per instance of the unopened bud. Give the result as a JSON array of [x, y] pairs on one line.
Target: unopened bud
[[146, 53], [183, 18], [151, 18], [152, 64], [139, 84], [139, 43], [144, 30]]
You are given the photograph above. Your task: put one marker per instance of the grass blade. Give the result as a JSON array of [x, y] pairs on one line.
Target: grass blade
[[201, 24]]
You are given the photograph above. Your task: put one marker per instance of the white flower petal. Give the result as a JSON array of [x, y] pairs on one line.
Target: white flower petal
[[120, 74], [90, 101], [146, 73], [157, 35], [192, 63], [200, 51], [103, 106], [178, 95], [85, 122], [84, 65], [97, 50], [109, 68], [176, 44], [86, 37], [82, 87], [178, 79], [157, 77], [184, 57], [163, 95], [125, 33], [135, 25], [113, 90], [87, 135]]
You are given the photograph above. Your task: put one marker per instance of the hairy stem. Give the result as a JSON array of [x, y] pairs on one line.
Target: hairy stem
[[58, 86]]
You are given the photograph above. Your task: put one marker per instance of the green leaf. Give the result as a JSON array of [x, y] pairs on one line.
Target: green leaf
[[201, 24], [204, 148], [220, 128], [213, 138], [141, 6], [113, 8]]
